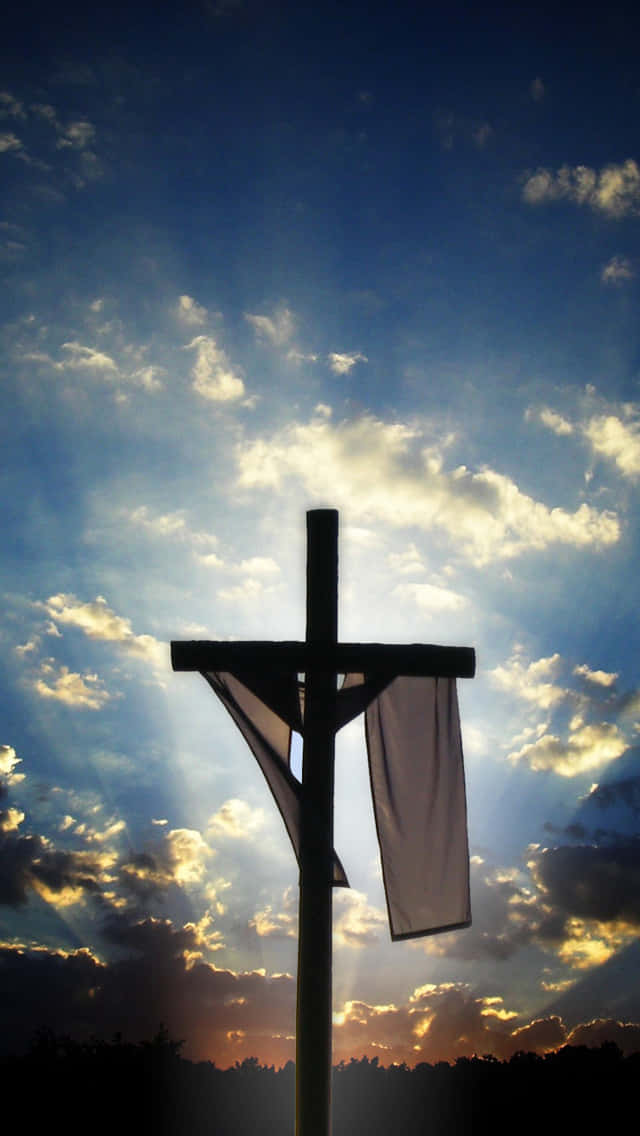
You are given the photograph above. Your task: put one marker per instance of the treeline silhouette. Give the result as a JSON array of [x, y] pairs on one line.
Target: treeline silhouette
[[131, 1089]]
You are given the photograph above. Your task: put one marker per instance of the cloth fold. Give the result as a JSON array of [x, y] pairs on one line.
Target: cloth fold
[[417, 781]]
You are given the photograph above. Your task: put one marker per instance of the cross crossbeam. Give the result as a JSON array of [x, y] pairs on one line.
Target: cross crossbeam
[[321, 658], [415, 659]]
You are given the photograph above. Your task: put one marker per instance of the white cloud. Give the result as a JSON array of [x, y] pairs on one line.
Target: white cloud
[[341, 364], [98, 621], [617, 439], [614, 190], [87, 358], [600, 678], [281, 924], [8, 760], [587, 748], [188, 853], [76, 135], [551, 419], [191, 313], [406, 563], [173, 526], [429, 597], [485, 513], [237, 819], [146, 377], [8, 142], [356, 922], [617, 270], [531, 682], [278, 328], [58, 682], [11, 107], [213, 375], [301, 357], [259, 565], [10, 819], [250, 590]]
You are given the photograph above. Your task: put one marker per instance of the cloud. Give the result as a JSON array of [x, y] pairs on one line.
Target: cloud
[[190, 313], [180, 858], [213, 376], [617, 270], [159, 976], [81, 358], [530, 681], [485, 513], [614, 190], [76, 135], [625, 792], [57, 682], [277, 329], [506, 917], [406, 563], [29, 863], [97, 620], [10, 819], [249, 590], [9, 142], [356, 922], [282, 924], [593, 882], [626, 1035], [341, 364], [613, 434], [617, 439], [429, 597], [173, 526], [559, 907], [11, 107], [439, 1022], [236, 819], [586, 748], [259, 566], [551, 420], [8, 761], [600, 678]]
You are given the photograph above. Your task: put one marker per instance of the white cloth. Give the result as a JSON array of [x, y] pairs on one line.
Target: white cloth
[[417, 782]]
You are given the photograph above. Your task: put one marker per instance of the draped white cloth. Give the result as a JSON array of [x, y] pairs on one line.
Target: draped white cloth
[[417, 782]]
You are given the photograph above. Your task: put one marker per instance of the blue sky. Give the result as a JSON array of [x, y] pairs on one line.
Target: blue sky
[[256, 260]]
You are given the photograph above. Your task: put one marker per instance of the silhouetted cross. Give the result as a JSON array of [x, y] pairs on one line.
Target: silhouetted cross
[[321, 658]]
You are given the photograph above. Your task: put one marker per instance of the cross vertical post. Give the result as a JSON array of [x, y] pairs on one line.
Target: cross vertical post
[[314, 1005], [321, 658]]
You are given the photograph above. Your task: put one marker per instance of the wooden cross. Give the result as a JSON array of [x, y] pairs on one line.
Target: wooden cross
[[321, 658]]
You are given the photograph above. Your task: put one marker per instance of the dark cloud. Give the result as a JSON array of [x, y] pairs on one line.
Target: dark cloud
[[227, 1016], [158, 977], [625, 792], [442, 1023], [504, 918], [594, 882], [540, 1035], [28, 863], [17, 857], [626, 1035]]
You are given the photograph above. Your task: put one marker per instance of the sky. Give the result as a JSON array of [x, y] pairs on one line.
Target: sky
[[259, 258]]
